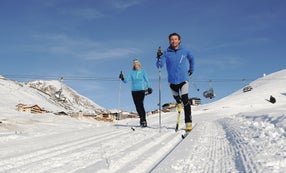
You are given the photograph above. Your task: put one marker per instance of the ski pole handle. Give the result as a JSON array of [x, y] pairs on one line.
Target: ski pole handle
[[159, 52], [121, 77]]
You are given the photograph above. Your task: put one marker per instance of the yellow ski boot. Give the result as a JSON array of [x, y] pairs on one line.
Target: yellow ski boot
[[189, 127]]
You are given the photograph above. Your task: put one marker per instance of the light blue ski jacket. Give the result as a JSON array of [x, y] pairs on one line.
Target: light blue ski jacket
[[139, 78], [178, 64]]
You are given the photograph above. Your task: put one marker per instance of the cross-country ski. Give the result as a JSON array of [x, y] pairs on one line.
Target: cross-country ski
[[187, 132]]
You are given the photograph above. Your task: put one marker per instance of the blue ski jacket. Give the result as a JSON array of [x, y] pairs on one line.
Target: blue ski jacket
[[139, 78], [178, 63]]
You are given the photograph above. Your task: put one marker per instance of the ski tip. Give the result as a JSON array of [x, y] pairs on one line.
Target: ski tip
[[184, 136]]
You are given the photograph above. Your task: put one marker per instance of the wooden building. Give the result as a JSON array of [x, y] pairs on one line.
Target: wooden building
[[35, 109], [195, 101]]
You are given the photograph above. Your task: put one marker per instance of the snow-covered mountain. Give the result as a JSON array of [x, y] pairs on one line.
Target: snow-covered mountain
[[53, 96]]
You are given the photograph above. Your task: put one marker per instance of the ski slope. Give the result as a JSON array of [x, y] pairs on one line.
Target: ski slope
[[239, 133]]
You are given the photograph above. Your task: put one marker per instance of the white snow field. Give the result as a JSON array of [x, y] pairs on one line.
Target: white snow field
[[242, 132]]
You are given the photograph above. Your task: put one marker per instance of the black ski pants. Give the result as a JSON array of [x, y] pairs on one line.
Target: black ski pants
[[138, 98], [182, 89]]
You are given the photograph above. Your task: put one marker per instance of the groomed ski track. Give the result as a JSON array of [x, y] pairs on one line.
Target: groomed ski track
[[215, 145]]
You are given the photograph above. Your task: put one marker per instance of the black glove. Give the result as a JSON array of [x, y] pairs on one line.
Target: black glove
[[159, 53], [148, 91], [190, 72], [121, 77]]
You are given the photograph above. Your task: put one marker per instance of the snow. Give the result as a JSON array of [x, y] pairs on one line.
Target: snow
[[242, 132]]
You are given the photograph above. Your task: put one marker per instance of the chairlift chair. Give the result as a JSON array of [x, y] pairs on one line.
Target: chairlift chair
[[58, 94], [246, 87], [209, 93]]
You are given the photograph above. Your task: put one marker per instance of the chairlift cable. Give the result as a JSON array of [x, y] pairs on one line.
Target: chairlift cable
[[104, 78]]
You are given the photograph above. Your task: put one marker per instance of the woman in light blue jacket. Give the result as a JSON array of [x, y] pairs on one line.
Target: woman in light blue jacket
[[140, 84]]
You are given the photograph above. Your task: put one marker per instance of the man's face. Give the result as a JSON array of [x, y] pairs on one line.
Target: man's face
[[175, 42]]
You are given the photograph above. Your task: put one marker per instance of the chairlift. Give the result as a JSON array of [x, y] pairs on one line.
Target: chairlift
[[210, 92], [61, 79], [247, 87], [58, 94]]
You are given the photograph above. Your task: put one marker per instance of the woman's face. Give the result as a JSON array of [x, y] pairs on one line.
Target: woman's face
[[136, 65]]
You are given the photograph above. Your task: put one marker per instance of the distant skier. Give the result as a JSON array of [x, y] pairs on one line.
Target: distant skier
[[140, 84], [180, 65]]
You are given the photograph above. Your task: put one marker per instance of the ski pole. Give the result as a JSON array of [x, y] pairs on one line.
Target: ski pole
[[119, 99], [160, 99], [159, 53]]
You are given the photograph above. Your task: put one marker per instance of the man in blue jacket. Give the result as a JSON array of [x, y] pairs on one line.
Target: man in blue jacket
[[180, 65]]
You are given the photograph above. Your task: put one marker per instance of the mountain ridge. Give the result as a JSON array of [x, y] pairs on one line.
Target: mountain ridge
[[53, 95]]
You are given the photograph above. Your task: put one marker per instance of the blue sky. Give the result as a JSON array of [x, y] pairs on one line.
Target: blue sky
[[89, 42]]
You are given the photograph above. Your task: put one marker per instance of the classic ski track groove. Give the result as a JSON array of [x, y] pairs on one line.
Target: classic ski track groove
[[108, 158], [130, 156], [219, 147], [216, 146], [89, 149], [156, 144], [244, 151], [170, 150], [218, 160], [21, 163]]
